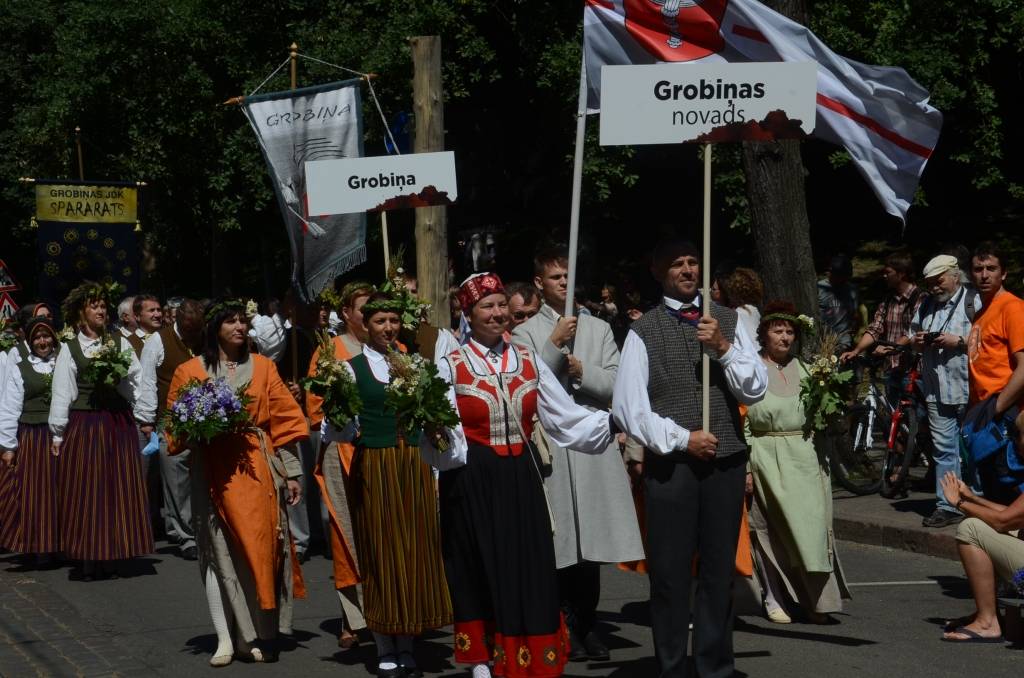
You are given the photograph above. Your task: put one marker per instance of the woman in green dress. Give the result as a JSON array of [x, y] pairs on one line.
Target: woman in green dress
[[791, 516]]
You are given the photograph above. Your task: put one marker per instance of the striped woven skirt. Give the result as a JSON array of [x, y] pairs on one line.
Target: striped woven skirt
[[398, 542], [101, 489], [28, 495]]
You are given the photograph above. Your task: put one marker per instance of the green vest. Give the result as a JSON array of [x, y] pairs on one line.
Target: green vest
[[88, 396], [377, 426], [36, 405]]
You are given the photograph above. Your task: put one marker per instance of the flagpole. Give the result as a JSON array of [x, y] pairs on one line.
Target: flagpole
[[705, 362], [384, 237], [577, 183], [293, 54]]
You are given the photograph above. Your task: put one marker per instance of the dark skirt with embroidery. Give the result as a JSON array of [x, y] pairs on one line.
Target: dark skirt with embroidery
[[102, 493], [500, 561], [398, 542], [28, 495]]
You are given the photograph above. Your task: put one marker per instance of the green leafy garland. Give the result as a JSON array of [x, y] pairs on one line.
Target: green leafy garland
[[332, 382]]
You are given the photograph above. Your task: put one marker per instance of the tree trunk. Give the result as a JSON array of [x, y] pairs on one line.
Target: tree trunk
[[431, 222], [778, 208]]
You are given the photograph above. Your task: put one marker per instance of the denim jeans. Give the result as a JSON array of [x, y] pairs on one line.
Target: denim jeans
[[944, 421]]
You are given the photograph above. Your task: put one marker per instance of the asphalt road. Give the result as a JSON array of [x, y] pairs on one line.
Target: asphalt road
[[154, 623]]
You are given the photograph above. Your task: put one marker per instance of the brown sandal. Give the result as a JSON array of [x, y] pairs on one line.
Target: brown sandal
[[347, 640]]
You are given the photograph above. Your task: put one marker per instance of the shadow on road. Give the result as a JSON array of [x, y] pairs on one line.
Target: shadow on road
[[922, 507], [794, 634]]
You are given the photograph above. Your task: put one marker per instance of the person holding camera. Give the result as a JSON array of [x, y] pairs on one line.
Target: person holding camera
[[939, 331]]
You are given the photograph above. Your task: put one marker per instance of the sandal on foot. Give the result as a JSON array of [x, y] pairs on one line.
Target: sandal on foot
[[972, 637], [347, 640]]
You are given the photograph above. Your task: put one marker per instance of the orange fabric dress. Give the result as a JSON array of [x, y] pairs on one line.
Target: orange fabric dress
[[346, 569], [244, 491]]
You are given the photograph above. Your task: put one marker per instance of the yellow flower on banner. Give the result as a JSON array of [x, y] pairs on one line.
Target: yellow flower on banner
[[70, 235], [108, 243], [81, 264], [127, 271], [92, 234], [51, 269], [121, 255], [53, 248]]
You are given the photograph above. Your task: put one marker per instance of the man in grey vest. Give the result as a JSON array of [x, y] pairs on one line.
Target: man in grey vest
[[693, 479]]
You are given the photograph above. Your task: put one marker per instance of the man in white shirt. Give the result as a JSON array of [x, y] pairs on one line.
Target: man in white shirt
[[126, 317], [164, 352], [693, 479]]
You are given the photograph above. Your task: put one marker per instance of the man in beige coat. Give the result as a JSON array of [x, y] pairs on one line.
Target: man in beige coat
[[595, 521]]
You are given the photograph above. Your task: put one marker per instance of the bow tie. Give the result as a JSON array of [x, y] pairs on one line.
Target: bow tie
[[689, 315]]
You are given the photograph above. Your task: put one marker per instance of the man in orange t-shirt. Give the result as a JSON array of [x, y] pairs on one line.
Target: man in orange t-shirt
[[996, 345]]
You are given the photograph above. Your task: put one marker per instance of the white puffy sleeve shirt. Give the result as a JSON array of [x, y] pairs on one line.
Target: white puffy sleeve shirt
[[745, 374], [12, 398], [565, 422], [65, 382]]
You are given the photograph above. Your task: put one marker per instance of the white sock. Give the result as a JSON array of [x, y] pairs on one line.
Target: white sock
[[770, 581], [481, 671], [220, 620]]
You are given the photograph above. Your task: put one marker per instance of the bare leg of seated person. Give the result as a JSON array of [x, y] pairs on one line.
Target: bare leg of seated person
[[982, 577]]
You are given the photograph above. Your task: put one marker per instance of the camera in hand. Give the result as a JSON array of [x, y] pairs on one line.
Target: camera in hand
[[930, 337]]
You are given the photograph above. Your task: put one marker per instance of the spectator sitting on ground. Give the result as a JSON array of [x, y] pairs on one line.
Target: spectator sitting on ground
[[989, 545]]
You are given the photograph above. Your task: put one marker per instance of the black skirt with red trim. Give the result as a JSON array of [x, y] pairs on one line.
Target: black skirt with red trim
[[500, 563]]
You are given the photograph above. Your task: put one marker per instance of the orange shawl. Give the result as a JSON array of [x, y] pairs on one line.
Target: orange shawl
[[239, 475]]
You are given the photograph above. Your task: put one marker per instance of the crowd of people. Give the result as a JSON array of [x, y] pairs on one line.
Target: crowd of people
[[580, 443]]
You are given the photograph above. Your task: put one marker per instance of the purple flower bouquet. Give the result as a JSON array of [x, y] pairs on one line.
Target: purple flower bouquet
[[203, 410]]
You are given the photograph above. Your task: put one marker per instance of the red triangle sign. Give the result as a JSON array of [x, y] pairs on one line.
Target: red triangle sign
[[7, 283], [7, 306]]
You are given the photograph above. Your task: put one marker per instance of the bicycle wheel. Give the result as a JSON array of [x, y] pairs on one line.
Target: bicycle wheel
[[898, 459], [849, 448]]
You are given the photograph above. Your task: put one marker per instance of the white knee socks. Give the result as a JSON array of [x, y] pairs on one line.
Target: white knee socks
[[220, 620]]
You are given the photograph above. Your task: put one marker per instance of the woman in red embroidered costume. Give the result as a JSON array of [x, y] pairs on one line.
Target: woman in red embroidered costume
[[495, 525]]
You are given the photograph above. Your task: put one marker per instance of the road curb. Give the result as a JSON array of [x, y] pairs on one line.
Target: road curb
[[941, 544]]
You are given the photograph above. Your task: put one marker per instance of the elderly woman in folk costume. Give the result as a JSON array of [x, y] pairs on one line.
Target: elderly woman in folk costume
[[29, 517], [393, 507], [241, 484], [101, 489], [791, 516], [496, 526], [333, 467]]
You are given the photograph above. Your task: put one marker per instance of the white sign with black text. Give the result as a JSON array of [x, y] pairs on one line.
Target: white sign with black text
[[378, 183], [669, 103]]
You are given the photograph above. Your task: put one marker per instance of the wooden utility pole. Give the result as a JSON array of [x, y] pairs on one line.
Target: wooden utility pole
[[78, 147], [431, 222]]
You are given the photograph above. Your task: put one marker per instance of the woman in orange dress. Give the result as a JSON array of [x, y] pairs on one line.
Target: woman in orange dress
[[241, 483], [333, 466]]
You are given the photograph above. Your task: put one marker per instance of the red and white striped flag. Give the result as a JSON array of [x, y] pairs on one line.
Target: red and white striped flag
[[879, 114]]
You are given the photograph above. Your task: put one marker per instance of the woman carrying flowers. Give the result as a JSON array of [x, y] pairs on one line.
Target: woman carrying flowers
[[242, 480], [29, 516], [791, 516], [498, 551], [100, 485], [393, 507]]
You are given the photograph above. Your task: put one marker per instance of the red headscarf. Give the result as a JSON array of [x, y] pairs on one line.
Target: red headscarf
[[476, 287]]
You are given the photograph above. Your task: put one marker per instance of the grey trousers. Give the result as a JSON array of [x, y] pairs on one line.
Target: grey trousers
[[177, 491], [309, 509]]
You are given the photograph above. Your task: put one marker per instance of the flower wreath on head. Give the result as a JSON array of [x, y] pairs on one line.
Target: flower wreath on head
[[89, 292], [249, 308], [388, 305], [802, 322]]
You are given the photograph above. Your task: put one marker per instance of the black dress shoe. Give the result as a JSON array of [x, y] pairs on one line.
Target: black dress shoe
[[595, 649], [302, 557], [577, 652], [190, 553], [397, 672]]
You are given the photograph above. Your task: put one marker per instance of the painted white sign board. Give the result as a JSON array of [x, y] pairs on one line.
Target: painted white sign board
[[670, 103], [376, 183]]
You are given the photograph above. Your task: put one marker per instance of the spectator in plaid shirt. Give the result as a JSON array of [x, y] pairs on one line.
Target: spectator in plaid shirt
[[893, 316]]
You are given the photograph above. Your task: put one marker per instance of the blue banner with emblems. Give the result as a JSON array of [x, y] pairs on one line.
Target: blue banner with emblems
[[86, 232]]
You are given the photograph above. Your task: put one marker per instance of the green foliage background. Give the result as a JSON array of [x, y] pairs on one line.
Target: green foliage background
[[145, 81]]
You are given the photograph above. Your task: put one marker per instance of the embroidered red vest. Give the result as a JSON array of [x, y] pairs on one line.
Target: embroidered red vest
[[483, 410]]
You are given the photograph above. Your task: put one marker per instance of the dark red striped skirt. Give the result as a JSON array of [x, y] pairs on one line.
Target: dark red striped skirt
[[28, 495], [101, 489]]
